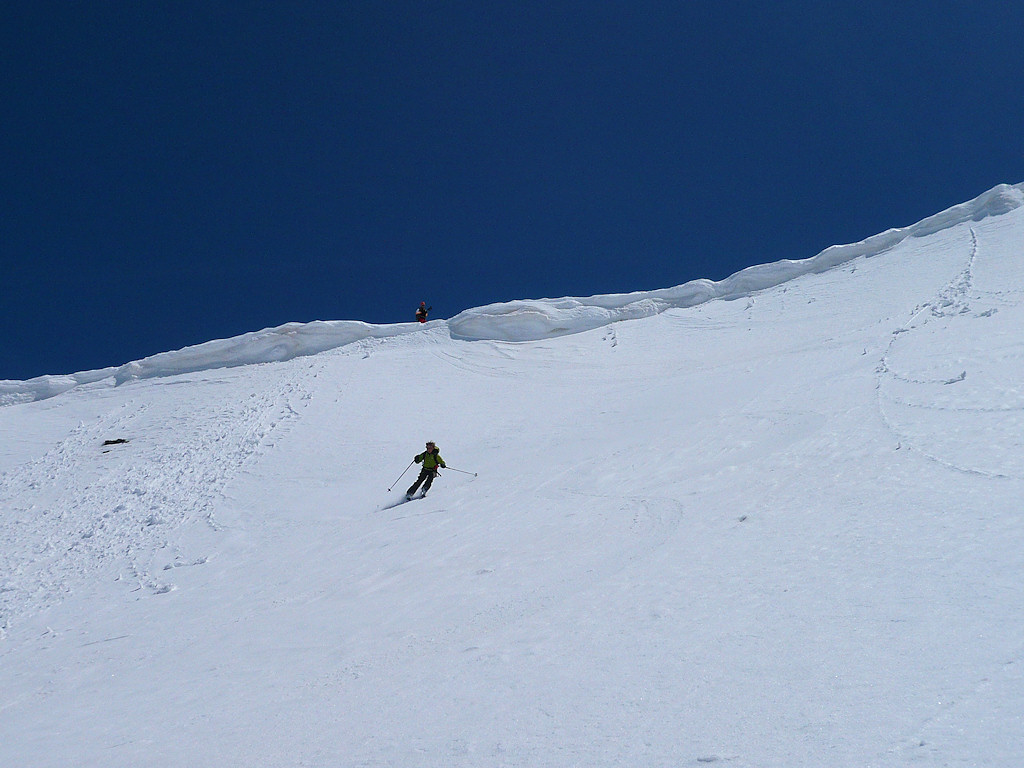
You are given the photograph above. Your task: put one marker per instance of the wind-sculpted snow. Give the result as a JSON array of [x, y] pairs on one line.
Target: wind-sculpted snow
[[526, 320], [271, 345], [543, 318]]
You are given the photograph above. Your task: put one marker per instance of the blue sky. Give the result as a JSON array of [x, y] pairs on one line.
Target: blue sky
[[172, 173]]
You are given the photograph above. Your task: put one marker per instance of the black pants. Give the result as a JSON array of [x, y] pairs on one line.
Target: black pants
[[425, 474]]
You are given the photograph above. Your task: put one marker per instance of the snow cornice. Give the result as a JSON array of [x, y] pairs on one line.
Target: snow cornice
[[515, 321]]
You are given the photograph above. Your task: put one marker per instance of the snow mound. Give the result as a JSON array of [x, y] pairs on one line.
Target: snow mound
[[526, 320]]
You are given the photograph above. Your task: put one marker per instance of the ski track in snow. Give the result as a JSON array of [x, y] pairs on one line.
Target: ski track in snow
[[931, 364], [922, 741], [82, 507]]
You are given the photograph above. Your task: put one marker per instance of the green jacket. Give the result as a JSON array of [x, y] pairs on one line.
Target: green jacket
[[431, 460]]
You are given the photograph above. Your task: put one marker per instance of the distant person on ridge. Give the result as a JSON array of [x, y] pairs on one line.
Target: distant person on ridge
[[421, 313], [431, 460]]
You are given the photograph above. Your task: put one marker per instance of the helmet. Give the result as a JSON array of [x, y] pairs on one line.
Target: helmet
[[423, 303]]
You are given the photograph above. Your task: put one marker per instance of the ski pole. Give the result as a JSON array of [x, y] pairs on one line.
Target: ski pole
[[453, 469], [401, 475]]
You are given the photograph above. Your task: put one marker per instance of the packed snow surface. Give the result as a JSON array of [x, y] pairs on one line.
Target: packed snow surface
[[770, 521]]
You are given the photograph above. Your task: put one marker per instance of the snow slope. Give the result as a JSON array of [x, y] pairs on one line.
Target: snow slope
[[782, 529]]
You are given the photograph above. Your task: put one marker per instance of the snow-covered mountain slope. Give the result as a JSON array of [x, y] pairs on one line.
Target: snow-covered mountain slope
[[528, 320], [782, 529]]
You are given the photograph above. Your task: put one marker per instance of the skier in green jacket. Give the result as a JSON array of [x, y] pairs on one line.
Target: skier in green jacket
[[432, 461]]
